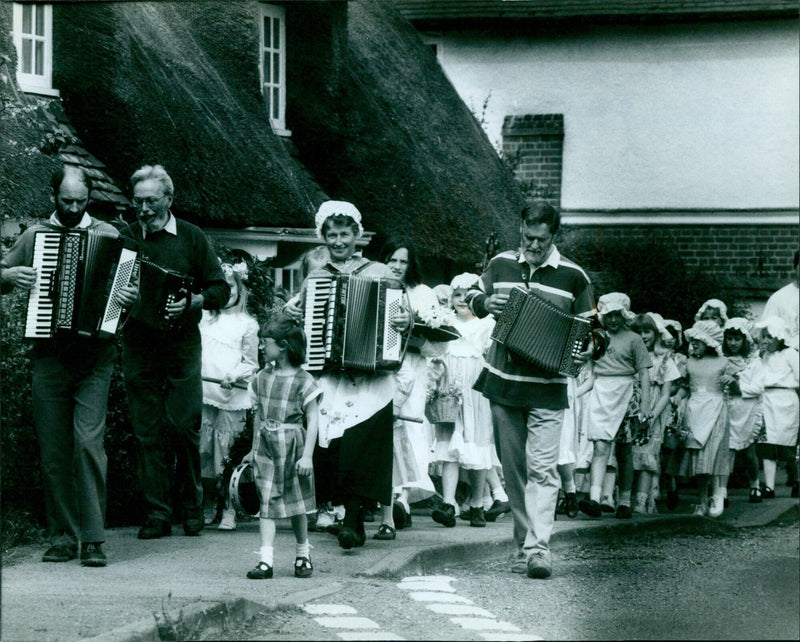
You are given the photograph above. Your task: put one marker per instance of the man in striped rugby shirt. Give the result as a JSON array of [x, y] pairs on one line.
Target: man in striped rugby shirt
[[528, 403]]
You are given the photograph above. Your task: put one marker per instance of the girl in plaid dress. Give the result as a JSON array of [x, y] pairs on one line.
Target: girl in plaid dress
[[285, 430]]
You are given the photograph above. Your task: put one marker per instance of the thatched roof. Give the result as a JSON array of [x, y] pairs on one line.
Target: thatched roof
[[397, 140], [171, 83]]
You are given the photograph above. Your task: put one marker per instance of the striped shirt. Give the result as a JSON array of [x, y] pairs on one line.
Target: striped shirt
[[508, 380]]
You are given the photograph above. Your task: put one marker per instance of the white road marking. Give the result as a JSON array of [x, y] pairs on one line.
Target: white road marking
[[329, 609], [430, 596], [483, 624]]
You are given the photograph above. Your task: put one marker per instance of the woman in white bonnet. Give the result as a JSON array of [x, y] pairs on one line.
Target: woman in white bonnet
[[353, 465]]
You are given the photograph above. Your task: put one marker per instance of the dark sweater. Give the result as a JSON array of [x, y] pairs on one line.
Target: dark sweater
[[189, 253]]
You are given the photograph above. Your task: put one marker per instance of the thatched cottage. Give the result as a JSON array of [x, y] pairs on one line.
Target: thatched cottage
[[259, 111]]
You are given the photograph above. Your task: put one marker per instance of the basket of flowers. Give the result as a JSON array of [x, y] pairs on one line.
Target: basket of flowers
[[444, 396]]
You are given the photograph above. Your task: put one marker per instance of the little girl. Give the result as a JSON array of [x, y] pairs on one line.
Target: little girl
[[229, 361], [778, 380], [744, 412], [469, 442], [647, 457], [673, 446], [284, 433], [713, 310], [706, 417], [614, 373]]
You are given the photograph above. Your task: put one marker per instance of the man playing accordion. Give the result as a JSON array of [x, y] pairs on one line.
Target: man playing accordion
[[528, 402]]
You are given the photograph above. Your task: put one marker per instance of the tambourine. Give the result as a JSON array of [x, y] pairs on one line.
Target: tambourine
[[598, 339], [242, 490]]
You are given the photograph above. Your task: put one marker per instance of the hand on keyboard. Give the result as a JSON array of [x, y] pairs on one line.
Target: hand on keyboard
[[20, 276]]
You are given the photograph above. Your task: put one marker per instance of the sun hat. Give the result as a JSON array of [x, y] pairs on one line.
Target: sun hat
[[660, 326], [717, 305], [333, 208], [675, 325], [776, 327], [465, 281], [740, 324], [615, 302], [708, 332]]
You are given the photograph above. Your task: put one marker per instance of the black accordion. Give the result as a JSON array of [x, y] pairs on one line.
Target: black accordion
[[80, 272], [542, 334], [158, 287], [347, 324]]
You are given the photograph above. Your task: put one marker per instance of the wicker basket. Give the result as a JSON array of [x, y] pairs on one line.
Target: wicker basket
[[443, 409]]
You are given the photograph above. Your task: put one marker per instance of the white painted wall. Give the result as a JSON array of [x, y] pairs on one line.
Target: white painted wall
[[679, 116]]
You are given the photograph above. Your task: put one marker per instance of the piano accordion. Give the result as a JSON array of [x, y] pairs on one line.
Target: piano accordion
[[347, 324], [158, 287], [541, 333], [80, 272]]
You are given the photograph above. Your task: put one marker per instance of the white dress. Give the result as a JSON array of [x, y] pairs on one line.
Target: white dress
[[471, 442], [777, 377], [744, 410]]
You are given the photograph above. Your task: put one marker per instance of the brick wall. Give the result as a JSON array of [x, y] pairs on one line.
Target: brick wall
[[756, 258], [533, 145]]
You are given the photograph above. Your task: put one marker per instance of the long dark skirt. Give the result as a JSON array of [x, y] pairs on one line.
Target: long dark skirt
[[357, 464]]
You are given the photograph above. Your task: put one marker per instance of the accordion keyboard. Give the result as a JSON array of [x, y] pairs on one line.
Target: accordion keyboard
[[39, 317], [319, 292]]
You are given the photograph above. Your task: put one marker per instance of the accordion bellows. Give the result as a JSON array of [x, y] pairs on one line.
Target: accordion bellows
[[542, 334]]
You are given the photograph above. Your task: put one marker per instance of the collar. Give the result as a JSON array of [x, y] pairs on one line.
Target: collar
[[171, 227], [85, 222], [552, 259]]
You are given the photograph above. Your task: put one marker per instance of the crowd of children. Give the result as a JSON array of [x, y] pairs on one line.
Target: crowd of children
[[660, 407]]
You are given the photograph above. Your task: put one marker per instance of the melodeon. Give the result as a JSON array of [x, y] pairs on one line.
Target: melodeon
[[347, 324], [542, 334], [158, 287], [80, 272]]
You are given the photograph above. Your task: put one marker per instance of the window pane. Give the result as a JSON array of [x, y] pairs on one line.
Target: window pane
[[267, 68], [39, 58], [39, 20], [27, 20], [276, 103], [276, 33], [27, 56], [267, 33], [276, 68], [267, 95]]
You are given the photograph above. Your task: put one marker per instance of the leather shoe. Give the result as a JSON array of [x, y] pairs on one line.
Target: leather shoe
[[476, 516], [623, 512], [571, 505], [539, 566], [60, 553], [262, 571], [348, 538], [446, 516], [154, 528], [303, 567], [496, 509], [92, 555], [590, 507], [401, 517], [193, 524], [385, 532]]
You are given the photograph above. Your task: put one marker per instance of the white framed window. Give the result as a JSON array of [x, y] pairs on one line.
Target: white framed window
[[33, 39], [272, 64]]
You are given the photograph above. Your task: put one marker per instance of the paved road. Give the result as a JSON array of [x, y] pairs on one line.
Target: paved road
[[698, 582]]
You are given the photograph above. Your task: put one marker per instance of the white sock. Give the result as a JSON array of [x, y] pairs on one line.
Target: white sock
[[594, 493], [570, 486], [499, 493], [266, 553], [625, 498], [302, 550]]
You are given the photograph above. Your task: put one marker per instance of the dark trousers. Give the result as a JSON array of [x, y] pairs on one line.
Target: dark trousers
[[165, 399], [70, 395]]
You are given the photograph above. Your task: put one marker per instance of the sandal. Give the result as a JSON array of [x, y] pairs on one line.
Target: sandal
[[262, 571], [302, 567], [385, 532]]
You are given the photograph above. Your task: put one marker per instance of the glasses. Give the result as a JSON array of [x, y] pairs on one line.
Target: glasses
[[150, 201]]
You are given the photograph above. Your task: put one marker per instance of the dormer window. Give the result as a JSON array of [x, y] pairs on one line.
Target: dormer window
[[272, 64], [33, 39]]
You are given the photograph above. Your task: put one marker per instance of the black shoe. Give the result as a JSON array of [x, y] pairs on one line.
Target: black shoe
[[476, 516], [92, 555], [60, 553], [399, 516], [154, 528], [497, 508], [446, 516], [571, 505], [303, 567], [590, 507], [348, 538], [262, 571], [193, 525], [767, 493], [385, 532], [672, 499], [755, 496], [623, 512]]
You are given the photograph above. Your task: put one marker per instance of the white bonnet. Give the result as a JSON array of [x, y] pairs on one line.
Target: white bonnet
[[742, 325], [708, 332], [465, 281], [776, 327], [615, 302], [332, 208], [675, 325], [717, 305], [660, 326]]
